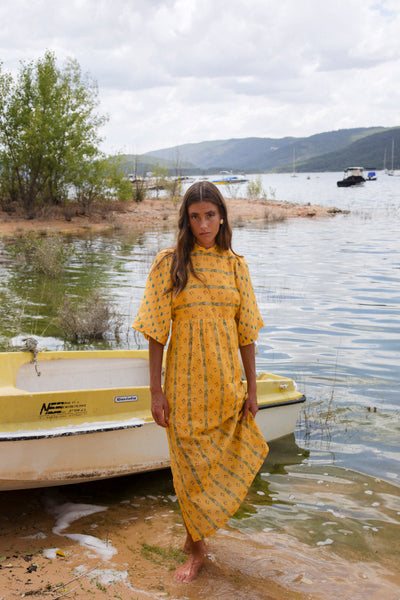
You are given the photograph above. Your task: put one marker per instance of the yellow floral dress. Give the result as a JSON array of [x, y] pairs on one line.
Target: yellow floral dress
[[215, 455]]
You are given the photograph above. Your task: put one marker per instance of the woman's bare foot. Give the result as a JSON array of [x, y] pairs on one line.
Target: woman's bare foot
[[189, 570]]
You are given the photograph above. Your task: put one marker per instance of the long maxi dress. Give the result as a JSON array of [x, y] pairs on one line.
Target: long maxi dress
[[215, 455]]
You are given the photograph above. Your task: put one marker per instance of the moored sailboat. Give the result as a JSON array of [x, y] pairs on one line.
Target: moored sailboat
[[392, 172]]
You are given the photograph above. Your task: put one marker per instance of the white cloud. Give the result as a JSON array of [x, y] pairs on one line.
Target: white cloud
[[177, 71]]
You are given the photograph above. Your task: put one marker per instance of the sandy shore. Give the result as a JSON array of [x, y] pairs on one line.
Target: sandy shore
[[153, 213], [122, 539]]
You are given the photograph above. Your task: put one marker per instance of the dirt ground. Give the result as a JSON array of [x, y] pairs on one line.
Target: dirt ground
[[156, 213]]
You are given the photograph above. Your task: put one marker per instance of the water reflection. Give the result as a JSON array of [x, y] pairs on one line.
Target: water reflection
[[30, 300], [355, 516]]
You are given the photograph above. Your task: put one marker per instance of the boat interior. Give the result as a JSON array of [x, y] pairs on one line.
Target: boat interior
[[83, 373]]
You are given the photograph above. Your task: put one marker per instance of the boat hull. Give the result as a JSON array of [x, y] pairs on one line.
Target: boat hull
[[229, 181], [51, 436], [352, 176], [49, 461], [352, 180]]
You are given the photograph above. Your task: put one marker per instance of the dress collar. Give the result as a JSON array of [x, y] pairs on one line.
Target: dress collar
[[197, 247]]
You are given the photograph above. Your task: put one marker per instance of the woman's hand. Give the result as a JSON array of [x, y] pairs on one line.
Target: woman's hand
[[248, 354], [159, 404], [250, 405], [159, 408]]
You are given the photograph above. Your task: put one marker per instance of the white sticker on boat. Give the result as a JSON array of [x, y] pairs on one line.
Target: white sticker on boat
[[126, 399]]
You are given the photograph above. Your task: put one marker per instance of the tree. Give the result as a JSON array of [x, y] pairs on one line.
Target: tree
[[100, 180], [174, 185], [48, 130], [159, 175], [138, 181]]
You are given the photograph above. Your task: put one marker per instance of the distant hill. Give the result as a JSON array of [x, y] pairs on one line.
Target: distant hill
[[237, 154], [271, 154], [329, 151], [369, 152]]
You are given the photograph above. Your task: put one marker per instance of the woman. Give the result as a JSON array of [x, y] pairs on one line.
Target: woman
[[204, 289]]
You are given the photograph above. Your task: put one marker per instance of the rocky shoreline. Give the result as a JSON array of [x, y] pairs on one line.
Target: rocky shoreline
[[155, 213]]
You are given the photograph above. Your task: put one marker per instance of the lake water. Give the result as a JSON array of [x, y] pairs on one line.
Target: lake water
[[329, 293]]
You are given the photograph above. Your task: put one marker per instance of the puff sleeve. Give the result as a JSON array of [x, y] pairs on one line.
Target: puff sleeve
[[154, 316], [248, 316]]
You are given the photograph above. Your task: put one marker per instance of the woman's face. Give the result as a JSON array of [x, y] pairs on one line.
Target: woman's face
[[204, 220]]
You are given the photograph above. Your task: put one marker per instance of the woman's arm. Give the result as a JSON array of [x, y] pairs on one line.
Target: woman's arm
[[159, 404], [248, 354]]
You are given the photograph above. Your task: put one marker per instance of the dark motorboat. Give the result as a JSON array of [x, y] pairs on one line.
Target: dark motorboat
[[352, 176]]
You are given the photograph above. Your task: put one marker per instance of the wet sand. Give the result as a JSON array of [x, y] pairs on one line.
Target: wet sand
[[122, 539]]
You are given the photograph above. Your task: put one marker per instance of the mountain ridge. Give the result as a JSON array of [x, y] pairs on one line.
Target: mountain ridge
[[326, 151], [260, 154]]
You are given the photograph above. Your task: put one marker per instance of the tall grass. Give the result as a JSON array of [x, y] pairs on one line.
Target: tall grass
[[46, 254], [318, 418], [90, 318], [255, 189]]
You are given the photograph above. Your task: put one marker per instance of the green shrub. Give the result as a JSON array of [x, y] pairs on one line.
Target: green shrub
[[255, 190], [45, 254], [87, 319]]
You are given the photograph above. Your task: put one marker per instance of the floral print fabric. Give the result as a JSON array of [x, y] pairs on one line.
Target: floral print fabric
[[214, 453]]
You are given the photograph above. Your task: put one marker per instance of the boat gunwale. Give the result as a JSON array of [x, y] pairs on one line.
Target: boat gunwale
[[298, 400], [80, 429], [35, 434]]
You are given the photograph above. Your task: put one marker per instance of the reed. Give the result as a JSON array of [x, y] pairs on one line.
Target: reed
[[274, 215], [43, 253], [318, 417], [255, 189], [322, 416], [89, 319]]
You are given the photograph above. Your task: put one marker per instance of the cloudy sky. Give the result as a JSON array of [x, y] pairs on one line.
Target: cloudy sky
[[176, 71]]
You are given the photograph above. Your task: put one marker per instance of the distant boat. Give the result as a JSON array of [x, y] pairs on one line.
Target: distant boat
[[352, 176], [228, 178], [294, 163], [392, 172], [385, 169], [184, 179], [371, 176]]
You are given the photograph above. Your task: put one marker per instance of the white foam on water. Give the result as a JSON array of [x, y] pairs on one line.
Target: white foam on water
[[103, 549], [107, 576], [50, 553], [35, 536], [110, 576], [325, 542], [68, 513]]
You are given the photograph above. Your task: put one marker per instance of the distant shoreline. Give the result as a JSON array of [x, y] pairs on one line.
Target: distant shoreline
[[155, 214]]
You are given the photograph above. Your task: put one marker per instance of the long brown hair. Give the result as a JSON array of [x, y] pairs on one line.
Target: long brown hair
[[181, 259]]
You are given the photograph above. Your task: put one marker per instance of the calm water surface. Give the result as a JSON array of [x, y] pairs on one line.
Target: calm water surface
[[329, 293]]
